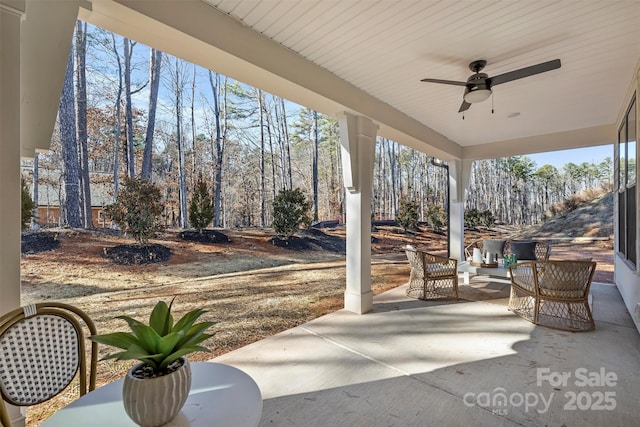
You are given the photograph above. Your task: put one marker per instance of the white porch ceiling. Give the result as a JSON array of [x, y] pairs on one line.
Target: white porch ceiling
[[385, 47]]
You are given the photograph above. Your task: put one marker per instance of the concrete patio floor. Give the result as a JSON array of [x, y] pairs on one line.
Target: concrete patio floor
[[450, 363]]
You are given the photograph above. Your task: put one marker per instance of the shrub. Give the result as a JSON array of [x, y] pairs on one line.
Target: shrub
[[290, 211], [137, 209], [407, 216], [27, 205], [201, 206], [487, 219], [474, 218], [436, 217]]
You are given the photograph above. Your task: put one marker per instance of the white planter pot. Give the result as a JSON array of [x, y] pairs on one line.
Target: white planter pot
[[153, 402]]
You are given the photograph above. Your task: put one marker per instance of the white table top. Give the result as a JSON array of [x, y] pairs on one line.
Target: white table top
[[221, 395], [500, 271]]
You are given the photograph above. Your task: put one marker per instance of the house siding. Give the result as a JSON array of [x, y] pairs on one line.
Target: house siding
[[627, 276]]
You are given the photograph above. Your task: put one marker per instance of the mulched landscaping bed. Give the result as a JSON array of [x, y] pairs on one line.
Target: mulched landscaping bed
[[207, 236], [133, 254], [39, 242], [309, 240], [293, 243]]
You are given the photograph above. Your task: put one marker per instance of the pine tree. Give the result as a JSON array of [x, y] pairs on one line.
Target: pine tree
[[436, 217], [407, 216], [290, 211], [27, 206], [201, 206], [137, 209]]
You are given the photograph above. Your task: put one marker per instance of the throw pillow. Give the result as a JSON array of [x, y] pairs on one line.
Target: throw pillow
[[493, 246], [524, 250]]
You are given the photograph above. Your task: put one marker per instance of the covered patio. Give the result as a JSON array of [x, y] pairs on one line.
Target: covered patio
[[416, 363], [362, 62]]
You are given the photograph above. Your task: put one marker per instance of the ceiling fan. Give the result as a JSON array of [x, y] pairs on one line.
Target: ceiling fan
[[478, 86]]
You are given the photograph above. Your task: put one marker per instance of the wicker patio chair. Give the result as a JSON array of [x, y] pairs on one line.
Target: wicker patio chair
[[42, 348], [432, 276], [553, 293]]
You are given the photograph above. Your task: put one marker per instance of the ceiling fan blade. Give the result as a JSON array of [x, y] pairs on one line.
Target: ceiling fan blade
[[525, 72], [464, 107], [446, 82]]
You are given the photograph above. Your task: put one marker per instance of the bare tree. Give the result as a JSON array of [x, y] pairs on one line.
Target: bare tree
[[285, 134], [36, 201], [194, 137], [263, 184], [67, 120], [219, 143], [81, 122], [127, 48], [117, 132], [155, 64], [316, 143], [176, 82]]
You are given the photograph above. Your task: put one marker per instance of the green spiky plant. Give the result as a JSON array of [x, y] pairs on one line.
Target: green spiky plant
[[160, 343]]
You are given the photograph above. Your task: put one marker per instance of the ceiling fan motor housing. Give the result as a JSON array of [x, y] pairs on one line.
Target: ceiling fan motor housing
[[477, 89], [477, 79]]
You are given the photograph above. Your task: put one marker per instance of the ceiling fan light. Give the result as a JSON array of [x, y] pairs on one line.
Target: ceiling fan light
[[477, 94]]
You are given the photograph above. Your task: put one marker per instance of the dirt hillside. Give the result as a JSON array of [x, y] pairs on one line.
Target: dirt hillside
[[593, 219]]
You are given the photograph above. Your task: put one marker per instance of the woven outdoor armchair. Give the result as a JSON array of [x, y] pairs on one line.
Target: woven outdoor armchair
[[553, 293], [42, 347], [432, 276]]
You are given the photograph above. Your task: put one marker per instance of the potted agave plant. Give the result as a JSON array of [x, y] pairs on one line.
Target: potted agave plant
[[161, 347]]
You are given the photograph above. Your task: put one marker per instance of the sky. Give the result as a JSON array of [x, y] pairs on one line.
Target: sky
[[577, 156]]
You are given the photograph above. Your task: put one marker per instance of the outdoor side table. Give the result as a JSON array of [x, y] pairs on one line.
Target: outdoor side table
[[466, 268], [221, 395]]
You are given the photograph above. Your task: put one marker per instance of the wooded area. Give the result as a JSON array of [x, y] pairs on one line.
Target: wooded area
[[127, 110]]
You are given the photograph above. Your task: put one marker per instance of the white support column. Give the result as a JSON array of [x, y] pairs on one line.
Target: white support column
[[459, 174], [456, 236], [358, 139], [10, 21], [35, 45], [9, 157], [35, 41]]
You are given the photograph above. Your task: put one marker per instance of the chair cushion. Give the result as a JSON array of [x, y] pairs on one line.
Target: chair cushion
[[493, 246], [524, 250], [38, 358]]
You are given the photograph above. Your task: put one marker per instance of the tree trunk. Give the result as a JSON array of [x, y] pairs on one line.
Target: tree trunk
[[130, 159], [35, 218], [285, 133], [272, 152], [81, 121], [181, 170], [262, 163], [392, 167], [316, 144], [118, 125], [154, 77], [69, 149], [219, 148], [194, 137]]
